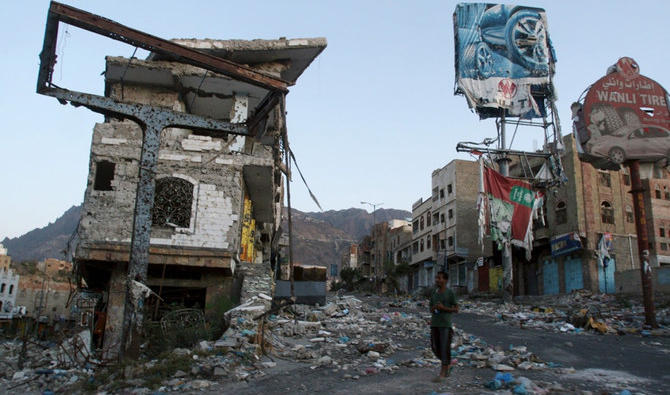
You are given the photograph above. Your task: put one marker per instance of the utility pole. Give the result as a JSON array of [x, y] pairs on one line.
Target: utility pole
[[503, 164], [642, 242], [374, 222]]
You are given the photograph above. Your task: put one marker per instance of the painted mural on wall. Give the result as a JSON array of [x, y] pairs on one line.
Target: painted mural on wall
[[247, 253], [624, 117], [502, 52]]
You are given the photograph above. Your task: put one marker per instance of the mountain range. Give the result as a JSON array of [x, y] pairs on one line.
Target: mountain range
[[320, 238]]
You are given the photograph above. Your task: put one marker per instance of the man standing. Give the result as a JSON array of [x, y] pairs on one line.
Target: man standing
[[442, 305]]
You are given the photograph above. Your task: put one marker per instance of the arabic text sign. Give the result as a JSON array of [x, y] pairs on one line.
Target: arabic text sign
[[566, 243], [625, 116], [501, 50]]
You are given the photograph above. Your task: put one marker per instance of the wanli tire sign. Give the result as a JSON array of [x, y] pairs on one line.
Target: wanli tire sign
[[624, 117]]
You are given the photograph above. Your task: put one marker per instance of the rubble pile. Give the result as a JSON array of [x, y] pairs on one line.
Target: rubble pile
[[346, 336], [47, 365], [577, 312], [351, 336]]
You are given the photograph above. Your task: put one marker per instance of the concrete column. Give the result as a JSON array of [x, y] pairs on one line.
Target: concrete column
[[115, 308]]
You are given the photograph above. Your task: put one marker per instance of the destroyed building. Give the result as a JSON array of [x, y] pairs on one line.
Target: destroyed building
[[215, 223]]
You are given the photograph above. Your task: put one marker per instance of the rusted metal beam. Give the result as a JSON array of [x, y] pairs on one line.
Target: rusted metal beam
[[638, 190], [114, 30], [144, 114], [48, 54], [261, 113]]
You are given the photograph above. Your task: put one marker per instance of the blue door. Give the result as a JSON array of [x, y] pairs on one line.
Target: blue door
[[574, 278], [550, 277], [606, 277]]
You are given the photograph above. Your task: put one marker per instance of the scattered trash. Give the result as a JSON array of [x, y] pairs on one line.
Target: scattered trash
[[599, 313]]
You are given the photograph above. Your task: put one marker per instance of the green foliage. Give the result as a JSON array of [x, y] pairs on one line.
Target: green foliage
[[337, 285], [350, 276]]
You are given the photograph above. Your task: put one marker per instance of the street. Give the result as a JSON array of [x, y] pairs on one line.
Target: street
[[583, 362]]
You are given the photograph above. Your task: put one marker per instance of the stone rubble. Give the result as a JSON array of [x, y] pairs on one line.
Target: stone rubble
[[346, 335], [578, 312]]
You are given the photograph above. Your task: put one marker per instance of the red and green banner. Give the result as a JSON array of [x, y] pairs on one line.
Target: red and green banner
[[511, 207]]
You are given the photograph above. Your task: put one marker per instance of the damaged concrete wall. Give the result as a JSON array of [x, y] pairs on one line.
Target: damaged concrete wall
[[209, 163], [217, 188]]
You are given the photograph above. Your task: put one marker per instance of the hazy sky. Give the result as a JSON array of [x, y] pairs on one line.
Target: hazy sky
[[369, 120]]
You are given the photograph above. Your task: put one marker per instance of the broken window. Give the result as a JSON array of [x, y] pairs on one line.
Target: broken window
[[104, 174], [626, 176], [442, 193], [629, 214], [561, 213], [449, 189], [606, 213], [664, 246], [605, 179], [173, 202], [658, 191]]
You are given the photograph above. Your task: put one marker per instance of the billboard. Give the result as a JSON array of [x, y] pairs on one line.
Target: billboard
[[624, 117], [504, 58]]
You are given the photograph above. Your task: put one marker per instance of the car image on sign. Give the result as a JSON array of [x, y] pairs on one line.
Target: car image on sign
[[650, 143]]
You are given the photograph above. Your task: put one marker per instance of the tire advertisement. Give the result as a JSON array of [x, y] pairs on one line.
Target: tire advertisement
[[503, 55], [624, 117]]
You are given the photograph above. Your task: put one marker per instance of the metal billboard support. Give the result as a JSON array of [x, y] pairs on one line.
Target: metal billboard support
[[508, 273], [637, 189]]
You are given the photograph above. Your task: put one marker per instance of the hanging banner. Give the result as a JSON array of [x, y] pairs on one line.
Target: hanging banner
[[511, 204], [503, 55], [624, 117]]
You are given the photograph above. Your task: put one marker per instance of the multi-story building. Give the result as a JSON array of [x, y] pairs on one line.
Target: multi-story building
[[401, 244], [657, 206], [382, 241], [9, 285], [445, 229], [218, 197], [44, 294], [423, 256], [455, 189], [591, 204], [401, 251], [350, 258]]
